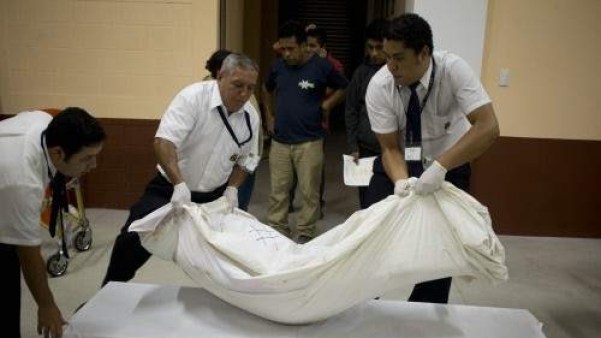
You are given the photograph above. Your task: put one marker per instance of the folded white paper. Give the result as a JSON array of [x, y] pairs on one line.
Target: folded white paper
[[357, 174]]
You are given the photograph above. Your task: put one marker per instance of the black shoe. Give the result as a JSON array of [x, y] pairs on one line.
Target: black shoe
[[302, 239]]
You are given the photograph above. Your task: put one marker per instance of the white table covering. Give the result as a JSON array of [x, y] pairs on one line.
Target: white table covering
[[144, 310]]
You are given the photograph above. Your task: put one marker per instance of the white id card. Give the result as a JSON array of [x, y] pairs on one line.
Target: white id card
[[413, 154]]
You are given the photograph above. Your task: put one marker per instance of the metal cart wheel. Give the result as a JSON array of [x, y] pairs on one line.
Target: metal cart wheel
[[57, 265], [83, 240]]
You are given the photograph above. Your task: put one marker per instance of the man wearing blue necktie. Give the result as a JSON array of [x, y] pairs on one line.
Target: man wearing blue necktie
[[431, 116]]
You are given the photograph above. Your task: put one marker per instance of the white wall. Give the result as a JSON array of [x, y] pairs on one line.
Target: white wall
[[457, 25]]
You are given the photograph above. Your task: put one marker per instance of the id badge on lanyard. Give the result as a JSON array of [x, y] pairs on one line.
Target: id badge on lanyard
[[413, 153], [413, 147], [235, 157]]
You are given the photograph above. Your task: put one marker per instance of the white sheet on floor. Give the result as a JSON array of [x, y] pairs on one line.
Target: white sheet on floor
[[396, 242]]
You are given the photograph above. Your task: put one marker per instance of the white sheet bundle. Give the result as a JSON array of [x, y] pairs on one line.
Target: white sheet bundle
[[396, 242]]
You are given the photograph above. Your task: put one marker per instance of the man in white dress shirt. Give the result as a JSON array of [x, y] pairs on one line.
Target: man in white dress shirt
[[204, 147], [36, 150], [431, 116]]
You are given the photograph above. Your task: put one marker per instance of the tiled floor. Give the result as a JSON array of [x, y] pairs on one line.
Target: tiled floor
[[557, 279]]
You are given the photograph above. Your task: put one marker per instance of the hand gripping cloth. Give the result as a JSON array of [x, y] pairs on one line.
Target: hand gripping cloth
[[396, 242]]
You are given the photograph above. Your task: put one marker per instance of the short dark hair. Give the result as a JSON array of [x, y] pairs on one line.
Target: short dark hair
[[72, 129], [319, 34], [412, 30], [376, 29], [213, 64], [293, 28]]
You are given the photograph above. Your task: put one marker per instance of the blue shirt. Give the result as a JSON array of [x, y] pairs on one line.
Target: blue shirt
[[299, 93]]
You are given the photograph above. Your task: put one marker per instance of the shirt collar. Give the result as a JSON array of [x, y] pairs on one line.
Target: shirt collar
[[425, 80], [217, 101], [47, 159]]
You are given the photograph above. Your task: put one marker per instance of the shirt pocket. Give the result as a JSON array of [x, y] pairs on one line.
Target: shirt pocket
[[228, 159], [438, 122]]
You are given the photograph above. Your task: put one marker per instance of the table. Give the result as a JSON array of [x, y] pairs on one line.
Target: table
[[148, 310]]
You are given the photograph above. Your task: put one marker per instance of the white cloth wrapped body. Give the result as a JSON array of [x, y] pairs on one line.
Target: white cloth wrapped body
[[396, 242]]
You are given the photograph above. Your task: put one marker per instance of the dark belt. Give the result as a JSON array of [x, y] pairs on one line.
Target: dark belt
[[160, 182]]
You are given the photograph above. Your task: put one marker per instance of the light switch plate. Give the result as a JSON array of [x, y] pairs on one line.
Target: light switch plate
[[504, 77]]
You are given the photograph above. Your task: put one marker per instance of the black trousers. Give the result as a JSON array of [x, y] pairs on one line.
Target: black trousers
[[364, 152], [10, 288], [128, 253], [380, 187]]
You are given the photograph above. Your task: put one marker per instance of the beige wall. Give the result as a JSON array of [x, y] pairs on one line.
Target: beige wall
[[551, 48], [116, 58], [234, 24], [128, 58]]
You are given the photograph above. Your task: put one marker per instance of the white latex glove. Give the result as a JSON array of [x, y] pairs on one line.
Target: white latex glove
[[231, 195], [431, 179], [401, 187], [181, 195]]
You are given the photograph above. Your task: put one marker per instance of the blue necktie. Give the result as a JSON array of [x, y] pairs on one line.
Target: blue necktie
[[413, 130]]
